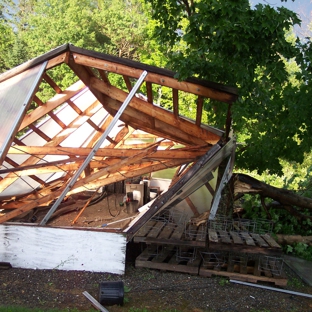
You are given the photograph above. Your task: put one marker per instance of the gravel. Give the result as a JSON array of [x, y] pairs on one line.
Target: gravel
[[145, 288]]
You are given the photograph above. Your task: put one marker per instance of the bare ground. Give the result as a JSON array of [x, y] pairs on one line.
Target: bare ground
[[145, 288], [153, 290]]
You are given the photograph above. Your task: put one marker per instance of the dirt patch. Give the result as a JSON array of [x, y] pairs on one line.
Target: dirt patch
[[106, 212], [145, 288], [153, 290]]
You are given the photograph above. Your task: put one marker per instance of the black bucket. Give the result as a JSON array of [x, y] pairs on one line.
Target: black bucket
[[111, 293]]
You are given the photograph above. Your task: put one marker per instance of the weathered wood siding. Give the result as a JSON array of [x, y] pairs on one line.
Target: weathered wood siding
[[33, 247]]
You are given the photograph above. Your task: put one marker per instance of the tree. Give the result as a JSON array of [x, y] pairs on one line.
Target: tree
[[6, 39], [124, 23], [229, 42], [283, 199]]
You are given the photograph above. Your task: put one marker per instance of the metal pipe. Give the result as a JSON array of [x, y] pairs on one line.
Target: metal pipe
[[96, 147], [272, 288]]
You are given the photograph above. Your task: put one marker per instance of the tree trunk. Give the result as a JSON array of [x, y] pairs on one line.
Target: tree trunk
[[292, 239], [244, 184]]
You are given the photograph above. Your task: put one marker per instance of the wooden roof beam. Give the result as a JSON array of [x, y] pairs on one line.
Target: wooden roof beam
[[51, 82], [53, 116], [147, 123], [199, 110], [154, 78], [93, 185], [58, 139], [157, 114], [107, 152], [51, 104], [128, 82], [135, 117], [175, 101]]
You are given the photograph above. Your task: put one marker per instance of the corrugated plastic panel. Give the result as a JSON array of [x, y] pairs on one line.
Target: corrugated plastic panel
[[15, 96]]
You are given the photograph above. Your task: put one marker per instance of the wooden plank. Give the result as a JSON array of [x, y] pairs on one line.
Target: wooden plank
[[166, 232], [224, 236], [164, 254], [259, 240], [171, 265], [270, 241], [51, 104], [105, 152], [156, 229], [243, 277], [145, 255], [145, 229], [175, 102], [230, 266], [177, 233], [5, 265], [199, 111], [192, 206], [153, 114], [243, 265], [256, 271], [236, 238], [248, 239], [213, 236], [214, 93]]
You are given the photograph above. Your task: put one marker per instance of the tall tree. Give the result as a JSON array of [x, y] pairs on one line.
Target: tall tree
[[124, 22], [232, 43], [6, 38]]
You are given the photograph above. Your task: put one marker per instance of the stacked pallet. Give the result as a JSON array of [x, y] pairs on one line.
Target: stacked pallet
[[200, 250]]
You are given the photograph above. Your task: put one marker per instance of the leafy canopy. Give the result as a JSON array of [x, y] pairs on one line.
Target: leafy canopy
[[232, 43]]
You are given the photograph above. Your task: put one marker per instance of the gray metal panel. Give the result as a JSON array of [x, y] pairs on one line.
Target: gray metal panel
[[15, 96]]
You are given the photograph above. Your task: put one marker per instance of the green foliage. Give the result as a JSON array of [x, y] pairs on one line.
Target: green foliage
[[295, 283], [301, 250], [49, 25], [6, 42], [251, 48], [123, 22], [223, 281]]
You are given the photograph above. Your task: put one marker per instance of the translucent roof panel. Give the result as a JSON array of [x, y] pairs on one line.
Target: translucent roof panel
[[15, 96]]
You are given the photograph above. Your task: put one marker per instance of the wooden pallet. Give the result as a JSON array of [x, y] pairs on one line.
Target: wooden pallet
[[243, 242], [5, 266], [158, 232], [168, 259], [242, 269]]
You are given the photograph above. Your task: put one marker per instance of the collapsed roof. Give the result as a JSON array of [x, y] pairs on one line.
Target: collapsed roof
[[66, 144]]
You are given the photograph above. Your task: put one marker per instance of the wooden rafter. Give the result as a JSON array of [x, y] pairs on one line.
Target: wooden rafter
[[58, 139], [51, 105], [153, 78], [154, 116], [180, 141]]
